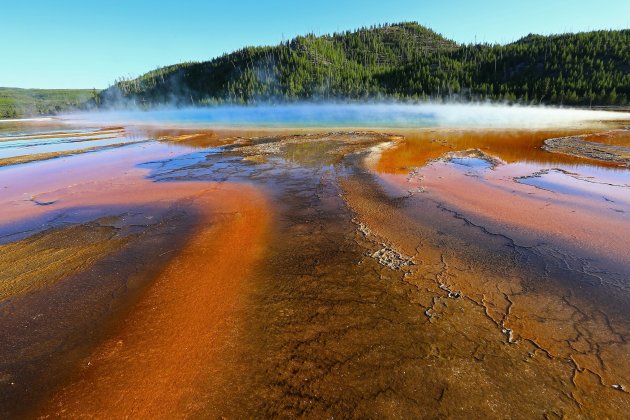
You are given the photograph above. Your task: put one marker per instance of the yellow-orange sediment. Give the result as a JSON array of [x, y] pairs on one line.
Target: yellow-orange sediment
[[150, 365]]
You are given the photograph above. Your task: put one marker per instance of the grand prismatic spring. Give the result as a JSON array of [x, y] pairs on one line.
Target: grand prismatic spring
[[319, 261]]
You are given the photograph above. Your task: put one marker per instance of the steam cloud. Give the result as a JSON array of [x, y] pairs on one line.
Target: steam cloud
[[359, 115]]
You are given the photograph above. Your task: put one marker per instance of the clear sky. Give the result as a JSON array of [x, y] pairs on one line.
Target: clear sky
[[86, 44]]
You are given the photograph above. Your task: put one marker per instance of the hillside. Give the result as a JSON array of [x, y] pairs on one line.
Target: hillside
[[19, 103], [402, 60]]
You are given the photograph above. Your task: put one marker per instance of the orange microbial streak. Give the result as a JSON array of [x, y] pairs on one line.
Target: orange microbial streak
[[156, 357], [152, 364]]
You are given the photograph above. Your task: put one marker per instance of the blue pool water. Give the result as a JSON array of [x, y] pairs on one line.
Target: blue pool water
[[356, 115]]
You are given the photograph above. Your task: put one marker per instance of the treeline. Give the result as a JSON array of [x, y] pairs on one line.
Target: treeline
[[590, 68], [20, 103], [402, 61]]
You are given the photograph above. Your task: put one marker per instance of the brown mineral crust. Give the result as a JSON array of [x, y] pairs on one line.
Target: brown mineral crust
[[578, 146]]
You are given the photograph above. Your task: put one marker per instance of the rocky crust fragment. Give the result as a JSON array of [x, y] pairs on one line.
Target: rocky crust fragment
[[577, 146], [391, 258]]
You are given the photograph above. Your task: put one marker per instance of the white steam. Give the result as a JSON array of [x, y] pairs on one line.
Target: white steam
[[360, 115]]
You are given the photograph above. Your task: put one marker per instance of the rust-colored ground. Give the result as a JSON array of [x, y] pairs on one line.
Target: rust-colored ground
[[510, 145], [612, 137], [435, 273], [153, 362], [179, 324]]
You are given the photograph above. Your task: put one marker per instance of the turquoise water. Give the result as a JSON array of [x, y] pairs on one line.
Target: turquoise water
[[357, 115]]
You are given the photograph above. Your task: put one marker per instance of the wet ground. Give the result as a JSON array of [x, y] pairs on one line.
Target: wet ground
[[320, 273]]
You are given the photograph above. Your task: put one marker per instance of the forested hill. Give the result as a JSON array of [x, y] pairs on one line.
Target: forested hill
[[398, 61], [19, 103]]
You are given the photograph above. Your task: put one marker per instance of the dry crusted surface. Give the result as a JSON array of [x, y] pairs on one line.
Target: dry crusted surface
[[43, 259], [577, 146]]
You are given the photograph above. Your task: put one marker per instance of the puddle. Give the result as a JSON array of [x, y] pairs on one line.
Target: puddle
[[574, 184], [470, 162]]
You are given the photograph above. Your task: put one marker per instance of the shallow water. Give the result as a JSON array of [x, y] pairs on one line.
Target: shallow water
[[278, 271], [59, 144]]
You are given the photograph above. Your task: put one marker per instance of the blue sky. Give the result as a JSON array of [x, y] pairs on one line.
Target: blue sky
[[85, 44]]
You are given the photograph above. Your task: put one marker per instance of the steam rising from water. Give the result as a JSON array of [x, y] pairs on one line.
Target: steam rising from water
[[360, 115]]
